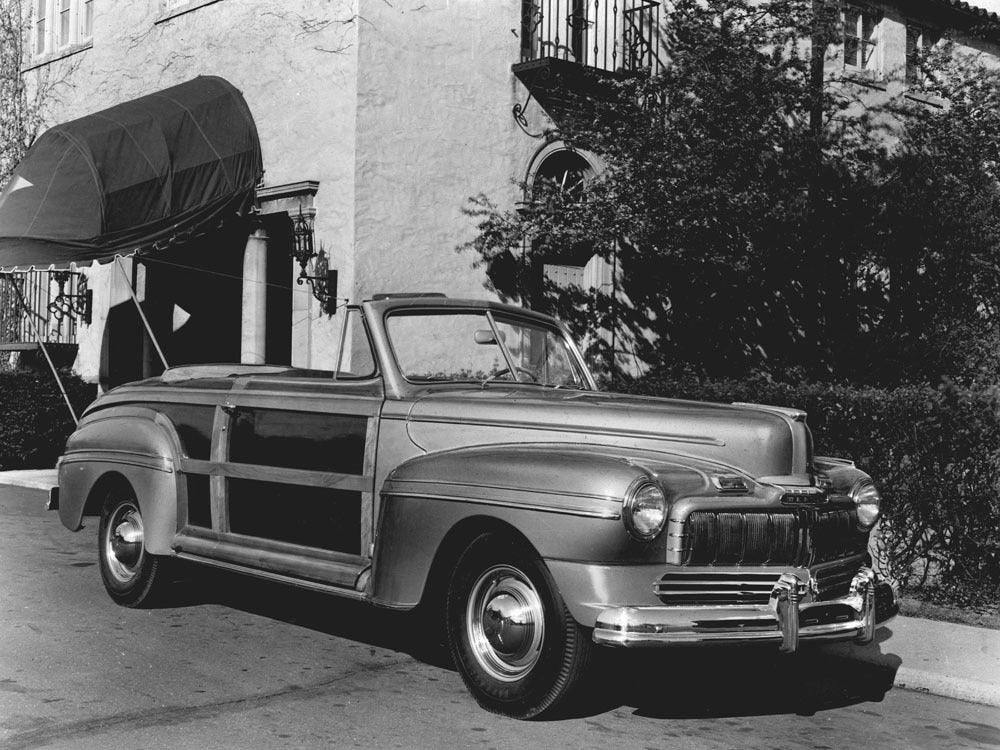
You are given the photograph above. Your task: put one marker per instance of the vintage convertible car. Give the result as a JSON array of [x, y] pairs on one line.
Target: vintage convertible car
[[461, 455]]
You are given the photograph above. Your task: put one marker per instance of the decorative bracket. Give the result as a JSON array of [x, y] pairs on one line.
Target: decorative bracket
[[521, 120], [69, 304], [519, 109]]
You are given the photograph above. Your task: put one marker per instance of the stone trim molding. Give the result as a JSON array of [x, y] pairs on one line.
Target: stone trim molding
[[51, 57], [289, 198]]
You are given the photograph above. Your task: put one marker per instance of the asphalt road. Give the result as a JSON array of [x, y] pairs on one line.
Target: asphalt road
[[236, 663]]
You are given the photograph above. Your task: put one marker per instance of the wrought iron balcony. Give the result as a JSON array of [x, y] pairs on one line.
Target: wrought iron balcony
[[572, 51], [42, 304], [615, 36]]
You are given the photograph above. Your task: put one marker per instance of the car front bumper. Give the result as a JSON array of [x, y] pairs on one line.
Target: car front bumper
[[788, 618]]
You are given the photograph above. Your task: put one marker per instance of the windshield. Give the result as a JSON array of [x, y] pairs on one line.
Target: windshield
[[481, 346]]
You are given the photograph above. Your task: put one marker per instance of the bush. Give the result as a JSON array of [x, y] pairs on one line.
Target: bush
[[34, 420], [934, 452]]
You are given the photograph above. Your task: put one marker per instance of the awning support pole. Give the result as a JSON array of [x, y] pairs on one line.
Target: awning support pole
[[145, 320], [41, 344]]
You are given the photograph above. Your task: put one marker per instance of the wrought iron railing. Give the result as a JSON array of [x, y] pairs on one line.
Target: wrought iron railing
[[49, 304], [613, 35]]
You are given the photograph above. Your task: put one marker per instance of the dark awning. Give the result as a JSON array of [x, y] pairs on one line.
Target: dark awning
[[129, 177]]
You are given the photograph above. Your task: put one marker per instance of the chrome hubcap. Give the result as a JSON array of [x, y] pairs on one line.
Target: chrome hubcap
[[505, 622], [123, 543]]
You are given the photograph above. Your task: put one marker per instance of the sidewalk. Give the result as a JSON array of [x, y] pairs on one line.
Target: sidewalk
[[36, 479], [943, 658], [946, 659]]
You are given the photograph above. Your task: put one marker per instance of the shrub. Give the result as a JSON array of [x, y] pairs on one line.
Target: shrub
[[934, 452], [34, 420]]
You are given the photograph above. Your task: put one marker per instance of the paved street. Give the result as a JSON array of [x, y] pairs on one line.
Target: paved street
[[234, 663]]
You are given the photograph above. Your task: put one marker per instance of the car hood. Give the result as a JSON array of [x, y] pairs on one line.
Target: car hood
[[761, 441]]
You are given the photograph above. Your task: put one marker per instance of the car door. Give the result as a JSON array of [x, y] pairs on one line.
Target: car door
[[291, 479]]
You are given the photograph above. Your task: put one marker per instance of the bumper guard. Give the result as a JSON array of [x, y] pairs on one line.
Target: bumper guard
[[789, 617]]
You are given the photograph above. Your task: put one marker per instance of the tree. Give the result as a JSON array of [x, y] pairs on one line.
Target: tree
[[758, 225], [19, 113]]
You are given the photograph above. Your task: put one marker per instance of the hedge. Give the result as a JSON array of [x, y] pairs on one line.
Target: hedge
[[934, 452], [34, 420]]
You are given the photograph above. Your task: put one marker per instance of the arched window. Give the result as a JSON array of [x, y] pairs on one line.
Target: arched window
[[567, 171]]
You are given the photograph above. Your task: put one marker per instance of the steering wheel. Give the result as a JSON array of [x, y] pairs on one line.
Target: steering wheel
[[506, 371]]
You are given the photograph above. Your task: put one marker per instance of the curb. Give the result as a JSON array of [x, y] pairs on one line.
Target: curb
[[918, 680], [35, 480], [969, 691]]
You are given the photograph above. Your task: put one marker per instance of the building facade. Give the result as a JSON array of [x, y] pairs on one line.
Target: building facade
[[377, 122]]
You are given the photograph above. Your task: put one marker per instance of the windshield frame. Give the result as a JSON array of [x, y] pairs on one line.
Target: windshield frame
[[487, 310]]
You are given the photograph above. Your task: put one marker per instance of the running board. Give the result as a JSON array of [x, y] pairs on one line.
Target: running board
[[277, 577]]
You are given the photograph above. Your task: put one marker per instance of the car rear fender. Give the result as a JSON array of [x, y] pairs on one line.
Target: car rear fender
[[132, 444]]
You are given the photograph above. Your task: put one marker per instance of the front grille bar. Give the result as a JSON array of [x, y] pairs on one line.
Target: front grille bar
[[750, 586], [729, 587]]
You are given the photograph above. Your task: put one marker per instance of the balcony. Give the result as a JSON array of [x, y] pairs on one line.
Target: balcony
[[581, 46], [46, 305]]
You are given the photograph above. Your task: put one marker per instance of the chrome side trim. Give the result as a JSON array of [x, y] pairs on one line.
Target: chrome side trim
[[511, 488], [148, 396], [123, 457], [585, 512], [577, 429], [796, 415]]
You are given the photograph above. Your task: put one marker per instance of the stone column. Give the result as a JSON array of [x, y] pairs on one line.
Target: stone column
[[302, 302], [254, 328]]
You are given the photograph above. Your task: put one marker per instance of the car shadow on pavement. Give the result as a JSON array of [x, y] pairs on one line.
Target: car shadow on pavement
[[417, 633], [684, 682], [716, 681]]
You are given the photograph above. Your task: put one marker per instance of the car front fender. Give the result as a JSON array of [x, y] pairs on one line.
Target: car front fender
[[563, 500]]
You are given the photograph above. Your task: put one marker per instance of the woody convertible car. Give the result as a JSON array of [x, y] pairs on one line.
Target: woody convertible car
[[460, 454]]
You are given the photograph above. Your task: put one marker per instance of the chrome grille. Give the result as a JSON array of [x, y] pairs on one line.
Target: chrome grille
[[834, 581], [836, 535], [730, 587], [749, 586], [794, 537]]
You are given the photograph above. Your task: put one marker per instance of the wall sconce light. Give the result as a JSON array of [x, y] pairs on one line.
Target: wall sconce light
[[324, 283]]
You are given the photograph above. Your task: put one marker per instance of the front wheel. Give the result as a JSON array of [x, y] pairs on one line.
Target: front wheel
[[131, 575], [517, 647]]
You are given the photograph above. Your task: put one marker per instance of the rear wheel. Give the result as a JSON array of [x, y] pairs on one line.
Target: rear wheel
[[515, 644], [131, 575]]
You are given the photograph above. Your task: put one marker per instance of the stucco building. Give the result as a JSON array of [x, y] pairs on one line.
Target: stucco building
[[376, 121]]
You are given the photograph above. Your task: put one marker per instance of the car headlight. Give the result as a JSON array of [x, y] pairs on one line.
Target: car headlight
[[867, 501], [644, 510]]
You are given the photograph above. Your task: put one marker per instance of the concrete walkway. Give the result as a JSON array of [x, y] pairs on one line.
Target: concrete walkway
[[943, 658], [36, 479], [954, 661]]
